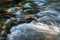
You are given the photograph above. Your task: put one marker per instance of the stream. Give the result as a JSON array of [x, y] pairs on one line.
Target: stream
[[45, 27]]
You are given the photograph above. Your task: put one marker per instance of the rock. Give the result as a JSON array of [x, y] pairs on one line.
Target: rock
[[3, 33]]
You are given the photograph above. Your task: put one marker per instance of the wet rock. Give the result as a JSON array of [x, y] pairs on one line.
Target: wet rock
[[3, 35]]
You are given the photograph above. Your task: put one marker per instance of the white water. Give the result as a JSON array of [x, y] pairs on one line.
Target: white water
[[44, 27], [27, 5], [31, 30], [38, 28]]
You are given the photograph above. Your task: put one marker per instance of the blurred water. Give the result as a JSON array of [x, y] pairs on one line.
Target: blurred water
[[49, 15], [31, 30], [45, 27]]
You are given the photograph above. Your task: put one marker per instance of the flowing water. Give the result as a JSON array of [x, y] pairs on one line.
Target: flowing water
[[46, 27]]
